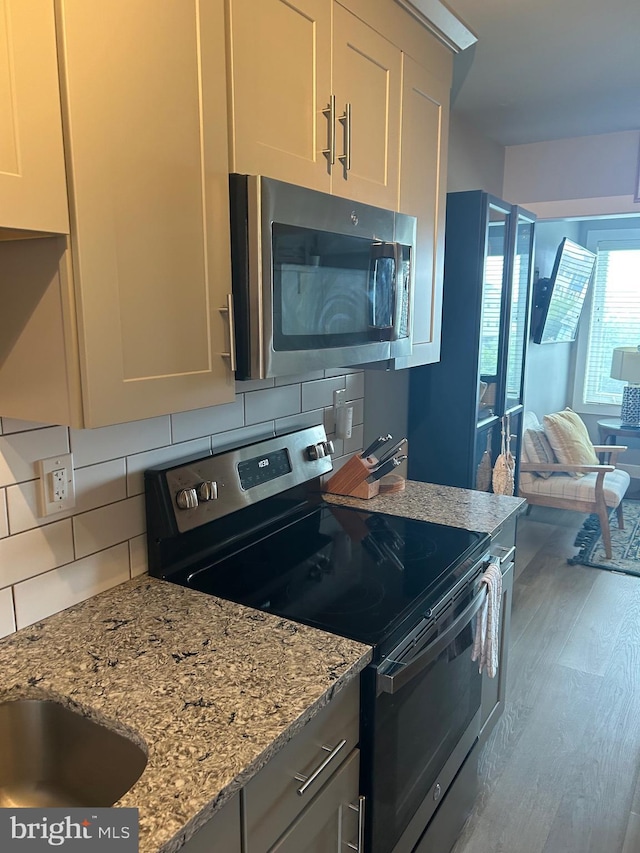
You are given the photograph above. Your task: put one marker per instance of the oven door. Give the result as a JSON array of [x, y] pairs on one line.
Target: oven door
[[424, 721]]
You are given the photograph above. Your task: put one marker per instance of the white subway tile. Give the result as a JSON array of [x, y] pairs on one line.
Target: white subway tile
[[20, 450], [54, 591], [4, 521], [242, 436], [253, 385], [355, 385], [28, 554], [137, 464], [14, 425], [96, 530], [199, 422], [273, 403], [298, 421], [317, 394], [337, 371], [300, 377], [96, 485], [7, 617], [98, 445], [138, 555]]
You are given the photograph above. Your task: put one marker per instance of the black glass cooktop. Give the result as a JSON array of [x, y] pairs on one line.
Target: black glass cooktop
[[357, 574]]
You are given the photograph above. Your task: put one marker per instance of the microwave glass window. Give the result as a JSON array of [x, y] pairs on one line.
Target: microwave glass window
[[332, 289]]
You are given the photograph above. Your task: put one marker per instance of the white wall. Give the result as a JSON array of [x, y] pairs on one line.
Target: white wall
[[583, 176], [48, 564], [475, 162]]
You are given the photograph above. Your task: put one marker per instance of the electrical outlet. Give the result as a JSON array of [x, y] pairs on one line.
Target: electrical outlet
[[56, 487]]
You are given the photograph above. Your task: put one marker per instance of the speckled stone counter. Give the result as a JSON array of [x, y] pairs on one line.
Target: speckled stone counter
[[211, 689], [454, 507]]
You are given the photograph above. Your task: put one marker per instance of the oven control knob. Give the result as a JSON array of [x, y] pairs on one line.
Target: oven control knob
[[329, 447], [316, 451], [208, 491], [187, 499]]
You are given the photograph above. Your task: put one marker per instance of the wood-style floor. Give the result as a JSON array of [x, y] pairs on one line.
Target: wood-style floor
[[560, 773]]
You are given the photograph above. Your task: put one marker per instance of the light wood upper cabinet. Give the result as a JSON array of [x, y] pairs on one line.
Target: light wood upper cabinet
[[288, 61], [280, 59], [423, 192], [367, 75], [147, 272], [33, 194]]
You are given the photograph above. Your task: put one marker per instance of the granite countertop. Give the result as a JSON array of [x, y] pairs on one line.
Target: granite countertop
[[211, 689], [466, 508]]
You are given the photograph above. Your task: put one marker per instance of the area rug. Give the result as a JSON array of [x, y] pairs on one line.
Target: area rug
[[625, 544]]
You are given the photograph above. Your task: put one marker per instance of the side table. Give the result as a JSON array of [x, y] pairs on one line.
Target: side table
[[610, 428]]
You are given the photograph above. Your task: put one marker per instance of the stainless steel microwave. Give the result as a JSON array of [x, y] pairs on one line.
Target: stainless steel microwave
[[318, 281]]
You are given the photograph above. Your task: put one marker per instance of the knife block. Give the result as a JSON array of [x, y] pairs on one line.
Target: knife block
[[351, 479]]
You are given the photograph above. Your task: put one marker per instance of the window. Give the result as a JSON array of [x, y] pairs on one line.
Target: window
[[612, 319]]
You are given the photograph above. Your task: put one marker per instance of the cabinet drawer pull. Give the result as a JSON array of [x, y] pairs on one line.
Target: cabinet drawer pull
[[345, 119], [359, 848], [231, 355], [309, 780], [330, 112]]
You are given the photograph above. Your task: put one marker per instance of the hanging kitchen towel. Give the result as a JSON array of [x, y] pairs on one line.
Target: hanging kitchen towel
[[483, 472], [487, 628], [503, 480]]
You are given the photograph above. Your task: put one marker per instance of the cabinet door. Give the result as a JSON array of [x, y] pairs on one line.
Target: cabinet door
[[495, 285], [494, 689], [33, 192], [280, 84], [333, 821], [367, 72], [519, 307], [146, 134], [423, 187]]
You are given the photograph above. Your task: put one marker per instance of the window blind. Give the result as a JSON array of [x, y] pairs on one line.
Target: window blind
[[615, 316]]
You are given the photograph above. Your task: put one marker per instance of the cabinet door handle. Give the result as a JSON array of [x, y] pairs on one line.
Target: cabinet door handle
[[231, 355], [359, 848], [345, 119], [330, 112], [309, 780]]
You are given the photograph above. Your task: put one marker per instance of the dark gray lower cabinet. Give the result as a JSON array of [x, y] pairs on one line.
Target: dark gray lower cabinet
[[332, 821], [494, 690], [221, 834], [296, 777]]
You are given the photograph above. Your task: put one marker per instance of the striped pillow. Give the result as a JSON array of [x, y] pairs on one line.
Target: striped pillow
[[537, 449], [569, 439]]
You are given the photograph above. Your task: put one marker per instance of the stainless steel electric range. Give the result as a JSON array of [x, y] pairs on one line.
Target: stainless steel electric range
[[250, 525]]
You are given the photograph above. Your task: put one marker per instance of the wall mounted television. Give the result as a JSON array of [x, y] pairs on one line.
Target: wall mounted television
[[558, 300]]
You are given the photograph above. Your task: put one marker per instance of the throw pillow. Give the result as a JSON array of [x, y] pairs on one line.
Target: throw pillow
[[537, 449], [569, 439]]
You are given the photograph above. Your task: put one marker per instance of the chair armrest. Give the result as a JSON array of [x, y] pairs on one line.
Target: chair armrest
[[613, 451], [559, 468]]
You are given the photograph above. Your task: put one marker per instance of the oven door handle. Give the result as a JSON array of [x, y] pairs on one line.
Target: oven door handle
[[409, 670]]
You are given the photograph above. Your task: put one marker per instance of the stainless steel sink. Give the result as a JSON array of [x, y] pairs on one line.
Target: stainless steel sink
[[53, 756]]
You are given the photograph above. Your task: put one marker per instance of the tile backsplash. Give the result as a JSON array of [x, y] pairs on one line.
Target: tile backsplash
[[48, 564]]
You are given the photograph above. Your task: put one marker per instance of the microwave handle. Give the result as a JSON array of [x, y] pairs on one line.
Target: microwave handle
[[398, 289], [408, 671], [379, 252]]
